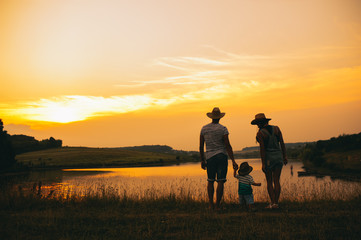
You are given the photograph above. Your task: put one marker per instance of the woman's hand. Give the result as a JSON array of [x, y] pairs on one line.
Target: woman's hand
[[203, 165], [264, 168]]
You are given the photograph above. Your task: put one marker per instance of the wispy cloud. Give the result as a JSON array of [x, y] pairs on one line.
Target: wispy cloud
[[196, 79], [66, 109]]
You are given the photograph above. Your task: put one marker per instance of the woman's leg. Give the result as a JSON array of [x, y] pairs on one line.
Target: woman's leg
[[270, 188], [276, 181]]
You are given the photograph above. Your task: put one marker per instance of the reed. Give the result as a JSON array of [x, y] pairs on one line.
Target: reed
[[43, 213]]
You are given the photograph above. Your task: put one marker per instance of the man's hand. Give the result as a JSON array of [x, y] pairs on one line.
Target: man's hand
[[235, 166], [203, 165], [285, 160]]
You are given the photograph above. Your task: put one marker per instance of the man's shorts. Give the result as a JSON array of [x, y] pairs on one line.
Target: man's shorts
[[248, 199], [217, 167]]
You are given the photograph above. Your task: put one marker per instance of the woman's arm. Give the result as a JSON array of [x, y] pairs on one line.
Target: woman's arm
[[283, 147], [262, 150]]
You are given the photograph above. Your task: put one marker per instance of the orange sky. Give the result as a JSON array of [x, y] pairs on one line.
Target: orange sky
[[121, 73]]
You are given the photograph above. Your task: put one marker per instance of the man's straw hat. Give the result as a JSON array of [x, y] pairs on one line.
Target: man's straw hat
[[260, 118], [216, 113]]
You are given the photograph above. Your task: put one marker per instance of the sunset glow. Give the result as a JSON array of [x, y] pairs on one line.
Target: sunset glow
[[114, 73]]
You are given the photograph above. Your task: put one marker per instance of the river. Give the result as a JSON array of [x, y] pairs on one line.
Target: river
[[185, 180]]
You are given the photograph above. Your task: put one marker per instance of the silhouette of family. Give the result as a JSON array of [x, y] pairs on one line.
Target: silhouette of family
[[215, 160]]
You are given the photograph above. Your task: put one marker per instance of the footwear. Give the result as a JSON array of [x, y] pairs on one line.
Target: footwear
[[275, 206], [270, 206]]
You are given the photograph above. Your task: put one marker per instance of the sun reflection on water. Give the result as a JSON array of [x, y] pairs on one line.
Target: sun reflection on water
[[189, 181]]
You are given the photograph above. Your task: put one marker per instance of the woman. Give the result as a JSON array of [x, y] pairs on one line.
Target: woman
[[273, 155]]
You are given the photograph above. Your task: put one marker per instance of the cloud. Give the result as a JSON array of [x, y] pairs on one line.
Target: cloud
[[67, 109], [228, 76]]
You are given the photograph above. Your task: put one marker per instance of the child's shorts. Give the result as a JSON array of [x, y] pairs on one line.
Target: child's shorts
[[248, 199]]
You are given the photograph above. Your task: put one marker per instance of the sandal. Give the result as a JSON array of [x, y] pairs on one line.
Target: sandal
[[270, 206], [275, 206]]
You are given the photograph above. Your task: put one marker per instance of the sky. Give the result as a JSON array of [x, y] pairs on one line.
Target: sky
[[114, 73]]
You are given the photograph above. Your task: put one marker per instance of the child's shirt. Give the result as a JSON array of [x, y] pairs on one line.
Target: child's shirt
[[244, 184]]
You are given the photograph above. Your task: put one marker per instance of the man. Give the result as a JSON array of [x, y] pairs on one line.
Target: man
[[273, 155], [215, 136]]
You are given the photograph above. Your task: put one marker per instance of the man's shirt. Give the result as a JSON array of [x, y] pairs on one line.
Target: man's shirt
[[213, 134]]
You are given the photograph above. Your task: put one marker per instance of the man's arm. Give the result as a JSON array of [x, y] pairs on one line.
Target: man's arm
[[234, 172], [262, 150], [201, 151], [230, 150]]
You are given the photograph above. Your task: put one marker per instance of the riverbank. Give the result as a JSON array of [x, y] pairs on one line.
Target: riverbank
[[341, 165], [111, 217]]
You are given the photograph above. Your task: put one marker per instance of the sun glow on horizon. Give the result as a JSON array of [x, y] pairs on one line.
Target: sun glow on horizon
[[68, 109]]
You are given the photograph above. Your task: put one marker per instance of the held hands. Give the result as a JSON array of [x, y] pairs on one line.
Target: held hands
[[235, 166]]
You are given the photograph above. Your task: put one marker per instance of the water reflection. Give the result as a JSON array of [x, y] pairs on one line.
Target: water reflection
[[186, 180]]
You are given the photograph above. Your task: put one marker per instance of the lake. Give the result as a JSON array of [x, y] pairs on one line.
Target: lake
[[185, 180]]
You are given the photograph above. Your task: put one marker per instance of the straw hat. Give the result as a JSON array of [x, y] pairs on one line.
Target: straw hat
[[216, 113], [244, 169], [259, 118]]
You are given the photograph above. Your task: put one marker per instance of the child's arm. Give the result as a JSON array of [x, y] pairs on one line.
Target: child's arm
[[256, 184], [234, 172]]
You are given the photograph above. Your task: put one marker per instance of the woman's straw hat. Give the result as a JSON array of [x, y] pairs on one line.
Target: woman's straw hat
[[244, 168], [260, 118], [216, 113]]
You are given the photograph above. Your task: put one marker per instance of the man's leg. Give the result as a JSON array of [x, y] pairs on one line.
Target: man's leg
[[210, 189], [277, 185], [270, 188], [220, 188]]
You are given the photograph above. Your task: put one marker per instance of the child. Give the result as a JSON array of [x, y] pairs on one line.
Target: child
[[244, 185]]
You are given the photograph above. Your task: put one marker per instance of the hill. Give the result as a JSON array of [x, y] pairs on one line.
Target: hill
[[71, 157], [293, 151]]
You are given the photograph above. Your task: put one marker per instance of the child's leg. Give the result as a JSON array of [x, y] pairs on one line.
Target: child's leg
[[250, 202], [242, 201]]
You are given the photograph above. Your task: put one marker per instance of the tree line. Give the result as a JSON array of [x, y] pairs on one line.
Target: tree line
[[315, 152], [11, 145]]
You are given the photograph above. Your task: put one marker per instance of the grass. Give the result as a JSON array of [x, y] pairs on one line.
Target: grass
[[28, 215], [70, 157]]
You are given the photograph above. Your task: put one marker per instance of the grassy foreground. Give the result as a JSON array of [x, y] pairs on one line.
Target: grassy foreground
[[70, 157], [118, 217]]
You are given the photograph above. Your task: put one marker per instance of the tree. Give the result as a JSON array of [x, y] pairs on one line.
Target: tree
[[7, 154]]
